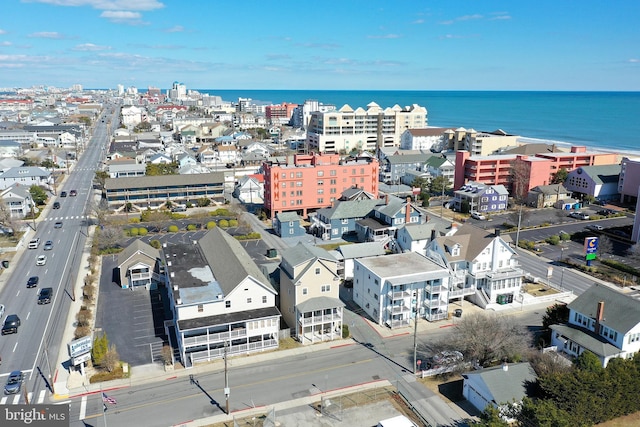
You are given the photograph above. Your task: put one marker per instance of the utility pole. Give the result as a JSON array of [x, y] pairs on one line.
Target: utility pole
[[226, 377], [519, 221], [415, 336], [46, 356]]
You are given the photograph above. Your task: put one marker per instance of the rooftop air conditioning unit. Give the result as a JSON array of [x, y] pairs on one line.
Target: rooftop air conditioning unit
[[172, 274], [175, 286], [179, 301]]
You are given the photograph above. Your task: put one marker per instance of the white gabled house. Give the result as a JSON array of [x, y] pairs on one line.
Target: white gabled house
[[482, 265], [17, 200], [603, 321], [219, 296]]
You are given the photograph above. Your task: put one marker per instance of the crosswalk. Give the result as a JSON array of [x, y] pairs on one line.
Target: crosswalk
[[19, 398], [69, 217]]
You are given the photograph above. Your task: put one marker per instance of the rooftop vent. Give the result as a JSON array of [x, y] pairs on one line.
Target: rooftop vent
[[175, 286]]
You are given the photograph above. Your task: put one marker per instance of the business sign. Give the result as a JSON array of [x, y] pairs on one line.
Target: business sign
[[590, 245], [80, 346], [81, 359]]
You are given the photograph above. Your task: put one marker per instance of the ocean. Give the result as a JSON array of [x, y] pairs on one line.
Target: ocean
[[604, 121]]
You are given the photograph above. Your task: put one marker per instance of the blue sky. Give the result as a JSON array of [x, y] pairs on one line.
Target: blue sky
[[342, 45]]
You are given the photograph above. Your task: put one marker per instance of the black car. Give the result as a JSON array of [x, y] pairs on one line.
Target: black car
[[44, 296], [63, 194], [33, 281], [56, 205], [11, 324]]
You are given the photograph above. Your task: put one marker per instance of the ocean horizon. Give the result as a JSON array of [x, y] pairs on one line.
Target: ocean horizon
[[601, 121]]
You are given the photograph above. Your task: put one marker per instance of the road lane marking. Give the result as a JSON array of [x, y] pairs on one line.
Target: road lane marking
[[28, 314], [83, 408], [3, 400], [267, 380], [41, 396], [16, 399], [18, 293], [14, 347]]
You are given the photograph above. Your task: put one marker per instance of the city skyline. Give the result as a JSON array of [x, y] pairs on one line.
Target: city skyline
[[413, 45]]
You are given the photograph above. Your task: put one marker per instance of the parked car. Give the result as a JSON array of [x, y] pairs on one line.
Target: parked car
[[14, 383], [34, 243], [478, 216], [605, 212], [44, 296], [594, 227], [41, 260], [32, 282], [48, 245], [11, 324], [579, 215]]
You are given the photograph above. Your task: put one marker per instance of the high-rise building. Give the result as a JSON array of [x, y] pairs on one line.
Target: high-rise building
[[348, 129]]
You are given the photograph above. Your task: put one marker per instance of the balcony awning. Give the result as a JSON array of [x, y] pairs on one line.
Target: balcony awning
[[318, 303]]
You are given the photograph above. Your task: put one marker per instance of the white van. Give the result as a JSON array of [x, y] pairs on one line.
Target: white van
[[33, 244], [399, 421]]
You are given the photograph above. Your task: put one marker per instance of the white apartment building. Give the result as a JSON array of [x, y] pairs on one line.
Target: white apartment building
[[390, 287], [425, 139], [362, 129]]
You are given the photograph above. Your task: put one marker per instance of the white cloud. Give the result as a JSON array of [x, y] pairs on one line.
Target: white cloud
[[46, 35], [175, 29], [90, 47], [106, 4], [5, 43], [418, 21], [2, 31], [120, 14], [634, 60]]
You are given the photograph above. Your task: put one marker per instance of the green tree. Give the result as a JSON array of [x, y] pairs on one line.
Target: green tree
[[544, 413], [162, 169], [101, 178], [99, 349], [211, 224], [38, 195], [560, 176], [47, 163], [421, 183], [439, 184], [557, 314], [587, 361], [490, 417], [203, 201], [155, 244], [173, 229]]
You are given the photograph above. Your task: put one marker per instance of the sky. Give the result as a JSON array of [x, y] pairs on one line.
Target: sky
[[567, 45]]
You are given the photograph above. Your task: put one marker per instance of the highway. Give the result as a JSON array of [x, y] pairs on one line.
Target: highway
[[35, 348]]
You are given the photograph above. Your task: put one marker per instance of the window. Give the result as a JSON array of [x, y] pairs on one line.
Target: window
[[227, 304], [298, 174], [200, 308], [284, 185], [320, 190], [264, 299], [320, 200], [332, 172], [284, 175], [345, 221], [318, 270], [248, 300], [320, 173], [325, 288], [305, 291], [320, 182]]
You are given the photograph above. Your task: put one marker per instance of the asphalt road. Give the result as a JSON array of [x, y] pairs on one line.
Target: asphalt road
[[34, 349]]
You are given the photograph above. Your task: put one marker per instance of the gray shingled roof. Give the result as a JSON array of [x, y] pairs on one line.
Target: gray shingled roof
[[24, 171], [138, 246], [349, 208], [229, 261], [602, 174], [304, 252], [319, 303], [505, 386], [359, 250], [621, 312], [584, 338], [162, 180], [409, 158], [288, 216], [472, 240], [423, 231]]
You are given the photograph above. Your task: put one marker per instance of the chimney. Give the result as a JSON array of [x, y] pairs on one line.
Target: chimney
[[407, 211], [433, 234], [386, 199], [497, 232], [599, 316]]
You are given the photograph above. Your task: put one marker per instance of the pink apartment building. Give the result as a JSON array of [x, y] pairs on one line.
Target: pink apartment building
[[533, 170], [315, 181]]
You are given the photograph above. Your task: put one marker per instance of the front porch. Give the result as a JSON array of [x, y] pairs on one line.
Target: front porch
[[319, 319]]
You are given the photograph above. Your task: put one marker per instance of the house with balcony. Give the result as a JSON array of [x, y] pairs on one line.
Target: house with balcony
[[482, 264], [481, 198], [309, 294], [544, 196], [383, 221], [18, 200], [341, 218], [139, 265], [219, 298], [27, 176], [392, 288], [603, 321], [346, 254]]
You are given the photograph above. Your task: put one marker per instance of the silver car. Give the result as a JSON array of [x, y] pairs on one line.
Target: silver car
[[14, 383]]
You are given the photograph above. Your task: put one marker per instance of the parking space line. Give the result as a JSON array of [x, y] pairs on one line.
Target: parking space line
[[83, 408]]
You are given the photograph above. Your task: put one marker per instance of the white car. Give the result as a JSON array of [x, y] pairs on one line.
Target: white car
[[478, 216], [41, 260]]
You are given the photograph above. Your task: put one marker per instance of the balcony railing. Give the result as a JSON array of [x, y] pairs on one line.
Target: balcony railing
[[206, 355], [398, 323], [222, 336], [437, 316], [319, 319], [398, 295], [397, 309]]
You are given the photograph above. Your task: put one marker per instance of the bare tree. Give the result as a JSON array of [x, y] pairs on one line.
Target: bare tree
[[100, 210], [605, 246], [520, 215], [109, 237], [6, 219], [488, 338], [111, 358], [520, 172]]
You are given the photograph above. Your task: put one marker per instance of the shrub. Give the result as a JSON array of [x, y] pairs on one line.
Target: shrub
[[155, 244], [223, 223], [83, 317], [564, 236], [117, 373], [202, 202], [99, 349], [142, 231], [133, 232], [233, 223], [82, 331], [173, 229], [189, 205], [345, 331], [553, 240], [134, 220], [191, 227], [221, 212], [211, 224]]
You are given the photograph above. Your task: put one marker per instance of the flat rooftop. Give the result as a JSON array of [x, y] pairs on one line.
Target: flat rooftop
[[188, 268]]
